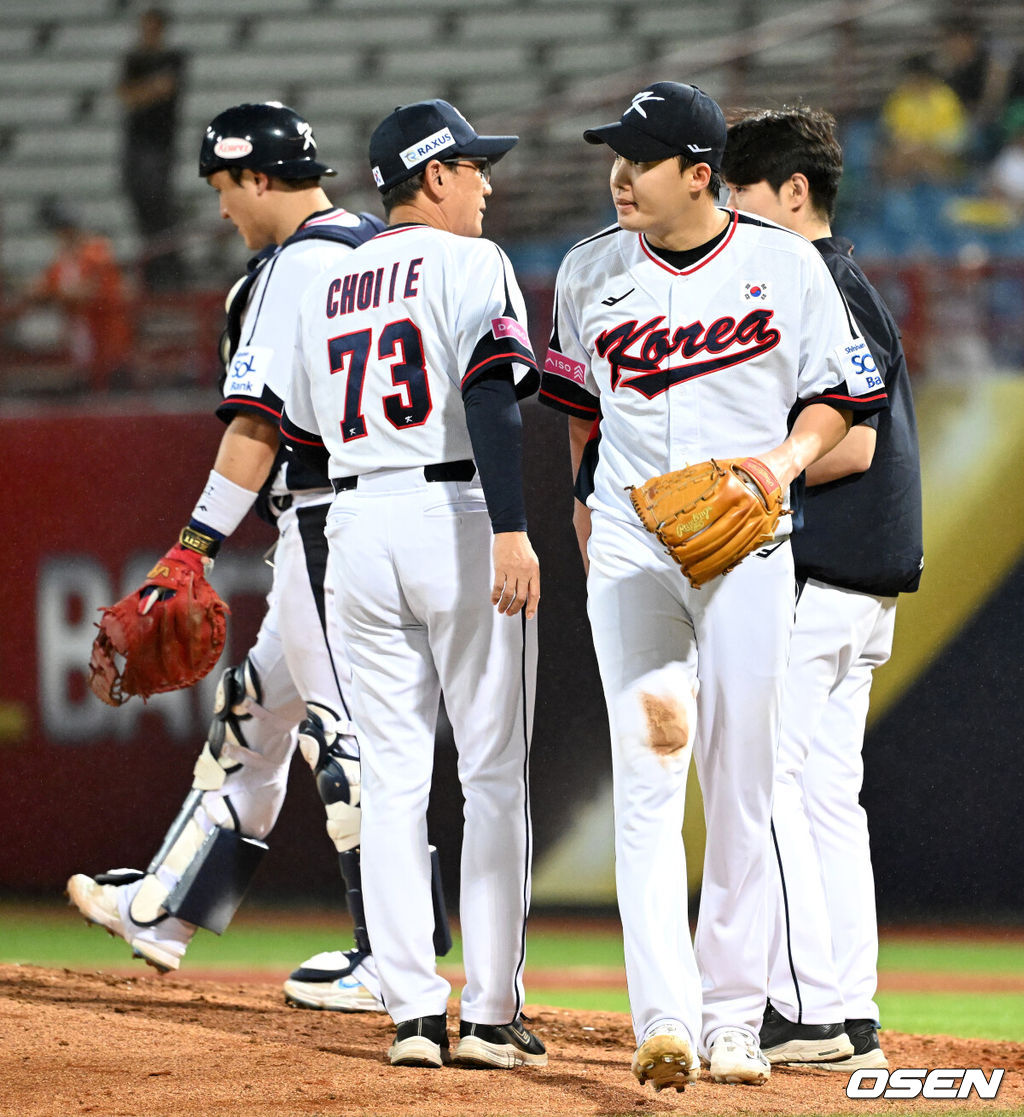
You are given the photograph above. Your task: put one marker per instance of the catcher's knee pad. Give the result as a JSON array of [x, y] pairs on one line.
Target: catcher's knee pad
[[242, 733], [658, 713], [200, 873], [330, 749], [238, 689]]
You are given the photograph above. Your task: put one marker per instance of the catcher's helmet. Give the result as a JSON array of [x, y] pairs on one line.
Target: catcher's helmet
[[268, 137]]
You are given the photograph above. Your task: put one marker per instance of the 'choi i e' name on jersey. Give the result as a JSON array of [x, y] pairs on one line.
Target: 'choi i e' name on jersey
[[708, 361], [390, 339], [259, 370]]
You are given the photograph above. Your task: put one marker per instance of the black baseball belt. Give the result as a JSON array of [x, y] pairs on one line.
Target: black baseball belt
[[464, 470]]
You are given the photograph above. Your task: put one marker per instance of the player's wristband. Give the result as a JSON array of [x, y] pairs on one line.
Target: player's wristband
[[199, 541], [222, 506]]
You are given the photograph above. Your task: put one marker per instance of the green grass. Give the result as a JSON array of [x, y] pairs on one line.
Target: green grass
[[978, 956], [48, 933], [590, 1000], [996, 1016]]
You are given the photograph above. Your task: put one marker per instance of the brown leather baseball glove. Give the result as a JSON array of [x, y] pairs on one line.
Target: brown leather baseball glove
[[710, 516], [166, 635]]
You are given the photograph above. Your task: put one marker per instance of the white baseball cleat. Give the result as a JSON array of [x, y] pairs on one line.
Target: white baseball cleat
[[336, 980], [106, 900], [736, 1058], [666, 1058]]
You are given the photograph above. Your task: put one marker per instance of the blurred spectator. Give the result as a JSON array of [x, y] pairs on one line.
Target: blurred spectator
[[84, 283], [980, 74], [150, 86], [1006, 175], [924, 127]]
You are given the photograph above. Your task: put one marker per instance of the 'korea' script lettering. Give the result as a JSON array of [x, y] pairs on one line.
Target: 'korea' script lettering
[[636, 352]]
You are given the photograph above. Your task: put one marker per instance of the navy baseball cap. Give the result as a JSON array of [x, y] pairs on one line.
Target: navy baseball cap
[[664, 120], [405, 142]]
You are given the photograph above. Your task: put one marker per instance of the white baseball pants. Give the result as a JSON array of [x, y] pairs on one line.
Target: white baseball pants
[[413, 579], [654, 633], [824, 946]]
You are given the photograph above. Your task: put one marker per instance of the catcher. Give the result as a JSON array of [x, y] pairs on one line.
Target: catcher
[[261, 159], [696, 334]]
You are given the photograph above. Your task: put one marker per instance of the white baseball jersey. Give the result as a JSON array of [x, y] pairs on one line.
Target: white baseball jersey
[[260, 370], [387, 393], [707, 362], [680, 365]]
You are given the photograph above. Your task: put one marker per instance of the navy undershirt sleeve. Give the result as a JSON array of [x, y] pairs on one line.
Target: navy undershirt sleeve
[[496, 431]]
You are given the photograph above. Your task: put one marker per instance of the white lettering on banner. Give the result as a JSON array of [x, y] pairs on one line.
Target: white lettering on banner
[[560, 365], [413, 156], [70, 591], [509, 327], [907, 1082]]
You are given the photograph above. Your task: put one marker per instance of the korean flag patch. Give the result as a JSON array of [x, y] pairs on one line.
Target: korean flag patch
[[858, 367]]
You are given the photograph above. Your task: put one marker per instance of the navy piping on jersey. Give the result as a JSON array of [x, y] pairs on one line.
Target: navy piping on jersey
[[311, 521], [526, 815], [609, 231], [269, 268]]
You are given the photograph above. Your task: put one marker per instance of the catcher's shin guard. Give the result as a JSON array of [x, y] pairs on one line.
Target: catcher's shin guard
[[442, 930], [348, 862], [212, 850], [333, 755], [351, 873], [201, 872], [331, 750]]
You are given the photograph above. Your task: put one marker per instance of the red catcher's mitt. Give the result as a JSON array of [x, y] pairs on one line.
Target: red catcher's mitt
[[169, 633], [710, 516]]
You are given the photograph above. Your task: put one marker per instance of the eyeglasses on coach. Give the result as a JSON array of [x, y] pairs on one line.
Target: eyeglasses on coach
[[482, 167]]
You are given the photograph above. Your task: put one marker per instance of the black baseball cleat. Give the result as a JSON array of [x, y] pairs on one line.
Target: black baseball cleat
[[421, 1042], [867, 1051], [499, 1045], [782, 1041]]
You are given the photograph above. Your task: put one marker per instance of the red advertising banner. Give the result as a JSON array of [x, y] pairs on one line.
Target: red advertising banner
[[98, 496]]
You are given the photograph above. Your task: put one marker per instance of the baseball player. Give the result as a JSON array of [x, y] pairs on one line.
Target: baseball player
[[412, 356], [693, 332], [860, 546], [262, 161]]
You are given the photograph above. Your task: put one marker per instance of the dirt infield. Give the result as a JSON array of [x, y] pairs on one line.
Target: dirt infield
[[149, 1046]]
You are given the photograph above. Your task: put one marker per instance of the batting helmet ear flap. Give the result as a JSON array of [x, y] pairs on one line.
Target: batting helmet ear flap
[[267, 137]]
